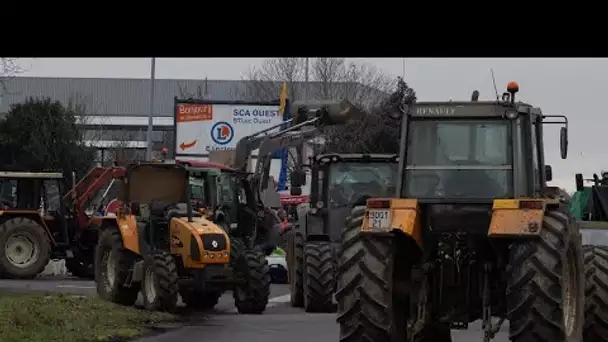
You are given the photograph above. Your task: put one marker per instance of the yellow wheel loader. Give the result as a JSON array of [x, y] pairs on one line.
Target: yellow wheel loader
[[157, 244]]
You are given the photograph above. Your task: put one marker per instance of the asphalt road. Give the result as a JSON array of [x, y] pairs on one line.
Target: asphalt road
[[280, 322]]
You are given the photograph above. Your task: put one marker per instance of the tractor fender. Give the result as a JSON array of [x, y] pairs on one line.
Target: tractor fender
[[30, 214], [127, 227], [518, 217], [404, 218]]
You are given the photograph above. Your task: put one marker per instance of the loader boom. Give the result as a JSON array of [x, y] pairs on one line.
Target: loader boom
[[84, 191]]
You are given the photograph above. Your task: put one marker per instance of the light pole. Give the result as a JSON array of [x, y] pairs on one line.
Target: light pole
[[151, 112]]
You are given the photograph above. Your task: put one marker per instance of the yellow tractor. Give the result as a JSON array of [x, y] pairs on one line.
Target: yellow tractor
[[473, 232], [156, 243]]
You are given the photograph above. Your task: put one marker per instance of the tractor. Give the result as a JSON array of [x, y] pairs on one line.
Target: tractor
[[33, 227], [589, 204], [158, 244], [472, 232], [339, 181]]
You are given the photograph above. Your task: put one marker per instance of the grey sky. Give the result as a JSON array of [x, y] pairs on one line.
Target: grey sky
[[574, 87]]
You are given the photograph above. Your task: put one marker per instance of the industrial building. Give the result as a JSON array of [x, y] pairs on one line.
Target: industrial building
[[116, 110]]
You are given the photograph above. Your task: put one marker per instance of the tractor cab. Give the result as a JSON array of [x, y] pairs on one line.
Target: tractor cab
[[341, 181], [37, 195], [156, 194]]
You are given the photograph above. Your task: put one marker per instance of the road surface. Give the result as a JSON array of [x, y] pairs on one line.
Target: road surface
[[280, 322]]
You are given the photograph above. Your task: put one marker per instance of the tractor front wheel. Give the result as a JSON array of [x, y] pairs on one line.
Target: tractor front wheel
[[545, 283], [112, 264], [253, 288], [319, 273], [159, 285], [26, 248]]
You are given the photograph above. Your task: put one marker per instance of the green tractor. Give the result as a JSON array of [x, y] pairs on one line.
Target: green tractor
[[589, 205]]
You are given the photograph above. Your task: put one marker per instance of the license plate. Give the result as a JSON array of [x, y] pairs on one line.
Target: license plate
[[379, 219]]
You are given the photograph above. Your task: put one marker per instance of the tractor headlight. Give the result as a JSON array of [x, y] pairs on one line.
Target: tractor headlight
[[511, 114], [320, 205]]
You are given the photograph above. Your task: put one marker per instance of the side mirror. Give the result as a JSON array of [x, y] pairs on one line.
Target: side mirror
[[548, 173], [563, 142], [578, 179], [295, 191], [297, 179]]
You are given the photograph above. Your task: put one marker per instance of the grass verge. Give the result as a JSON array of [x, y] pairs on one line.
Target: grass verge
[[68, 318]]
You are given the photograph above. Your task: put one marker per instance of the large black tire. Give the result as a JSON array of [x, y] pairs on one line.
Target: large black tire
[[596, 294], [200, 300], [319, 277], [348, 275], [544, 276], [159, 285], [110, 250], [252, 291], [366, 307], [24, 234], [295, 268]]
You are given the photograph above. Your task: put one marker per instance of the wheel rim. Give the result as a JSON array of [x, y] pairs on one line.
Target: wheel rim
[[149, 285], [21, 250], [109, 276], [570, 293]]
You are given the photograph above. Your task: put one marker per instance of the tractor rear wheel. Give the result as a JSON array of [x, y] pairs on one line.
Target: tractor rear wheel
[[26, 248], [348, 275], [545, 283], [253, 288], [200, 300], [159, 285], [295, 268], [319, 273], [368, 310], [112, 264], [596, 294]]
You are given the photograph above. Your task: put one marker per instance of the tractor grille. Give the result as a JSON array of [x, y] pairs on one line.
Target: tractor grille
[[214, 242]]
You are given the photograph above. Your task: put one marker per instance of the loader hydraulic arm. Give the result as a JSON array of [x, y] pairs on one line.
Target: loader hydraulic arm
[[316, 114], [88, 187], [307, 123]]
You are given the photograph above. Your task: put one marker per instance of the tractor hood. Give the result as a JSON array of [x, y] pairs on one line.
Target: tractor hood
[[161, 182]]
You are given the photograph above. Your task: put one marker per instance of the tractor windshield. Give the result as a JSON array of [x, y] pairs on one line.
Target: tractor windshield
[[459, 159], [349, 181], [197, 189]]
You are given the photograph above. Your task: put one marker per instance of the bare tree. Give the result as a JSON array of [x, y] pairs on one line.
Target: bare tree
[[9, 68], [362, 84], [264, 83], [330, 78]]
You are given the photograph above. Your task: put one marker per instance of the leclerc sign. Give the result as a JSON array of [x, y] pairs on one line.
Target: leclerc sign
[[202, 126]]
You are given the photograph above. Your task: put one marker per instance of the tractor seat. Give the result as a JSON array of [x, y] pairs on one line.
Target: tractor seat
[[180, 210]]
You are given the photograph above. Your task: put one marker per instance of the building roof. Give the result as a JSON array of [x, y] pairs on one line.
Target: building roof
[[120, 96]]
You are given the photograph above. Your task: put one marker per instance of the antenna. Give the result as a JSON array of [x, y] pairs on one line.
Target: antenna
[[494, 82]]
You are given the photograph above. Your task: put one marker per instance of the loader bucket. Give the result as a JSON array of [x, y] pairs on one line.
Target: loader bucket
[[330, 112]]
